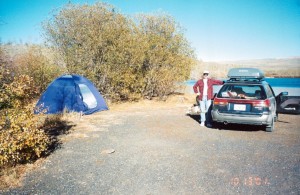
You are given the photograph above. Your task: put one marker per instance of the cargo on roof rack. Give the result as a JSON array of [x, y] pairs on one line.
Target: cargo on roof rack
[[245, 74]]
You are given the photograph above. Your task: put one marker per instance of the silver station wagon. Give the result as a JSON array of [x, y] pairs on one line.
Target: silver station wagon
[[245, 99]]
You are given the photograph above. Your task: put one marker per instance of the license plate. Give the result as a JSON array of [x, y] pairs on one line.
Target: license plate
[[239, 107]]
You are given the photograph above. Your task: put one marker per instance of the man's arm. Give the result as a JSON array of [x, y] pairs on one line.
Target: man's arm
[[195, 88], [217, 82]]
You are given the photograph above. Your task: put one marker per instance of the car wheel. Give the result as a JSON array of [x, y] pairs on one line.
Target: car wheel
[[270, 127]]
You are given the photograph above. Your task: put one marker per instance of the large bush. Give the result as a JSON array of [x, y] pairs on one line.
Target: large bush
[[22, 134], [127, 58]]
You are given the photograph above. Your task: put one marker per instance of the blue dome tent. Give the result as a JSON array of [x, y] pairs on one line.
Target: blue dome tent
[[71, 93]]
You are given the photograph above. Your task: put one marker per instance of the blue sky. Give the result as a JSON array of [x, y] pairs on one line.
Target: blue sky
[[217, 29]]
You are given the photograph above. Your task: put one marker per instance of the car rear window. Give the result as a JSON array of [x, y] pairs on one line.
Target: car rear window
[[237, 91]]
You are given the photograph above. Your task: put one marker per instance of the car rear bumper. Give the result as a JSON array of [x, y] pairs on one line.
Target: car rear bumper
[[241, 118]]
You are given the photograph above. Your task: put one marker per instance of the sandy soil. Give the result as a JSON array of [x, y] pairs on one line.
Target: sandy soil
[[153, 147]]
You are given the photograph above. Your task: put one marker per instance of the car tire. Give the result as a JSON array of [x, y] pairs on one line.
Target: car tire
[[270, 127]]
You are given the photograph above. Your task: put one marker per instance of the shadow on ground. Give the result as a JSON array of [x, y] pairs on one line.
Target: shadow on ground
[[54, 131], [239, 127], [195, 117], [232, 127]]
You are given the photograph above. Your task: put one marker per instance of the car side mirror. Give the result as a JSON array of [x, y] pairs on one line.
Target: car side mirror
[[284, 93]]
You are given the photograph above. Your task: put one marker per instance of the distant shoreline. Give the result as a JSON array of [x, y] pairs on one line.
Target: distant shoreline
[[296, 77]]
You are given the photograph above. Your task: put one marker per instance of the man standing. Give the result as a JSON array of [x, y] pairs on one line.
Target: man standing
[[204, 89]]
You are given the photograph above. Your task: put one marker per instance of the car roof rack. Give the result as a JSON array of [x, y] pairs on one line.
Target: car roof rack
[[246, 74]]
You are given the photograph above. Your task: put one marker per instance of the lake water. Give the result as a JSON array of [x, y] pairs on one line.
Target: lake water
[[290, 85]]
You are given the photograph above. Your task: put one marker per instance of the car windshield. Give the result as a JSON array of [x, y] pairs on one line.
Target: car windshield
[[240, 91]]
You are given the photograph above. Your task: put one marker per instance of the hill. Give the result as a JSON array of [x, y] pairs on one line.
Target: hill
[[283, 67], [271, 63]]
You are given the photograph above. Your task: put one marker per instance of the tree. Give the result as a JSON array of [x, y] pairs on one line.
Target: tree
[[168, 55], [125, 57], [100, 43]]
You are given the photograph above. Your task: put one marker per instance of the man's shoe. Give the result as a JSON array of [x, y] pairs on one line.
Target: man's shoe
[[202, 124], [209, 125]]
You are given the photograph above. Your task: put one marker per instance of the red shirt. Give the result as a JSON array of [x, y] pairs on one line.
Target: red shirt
[[199, 85]]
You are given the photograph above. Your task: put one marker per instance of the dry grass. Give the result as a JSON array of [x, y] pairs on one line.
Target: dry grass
[[13, 176], [155, 103], [10, 177]]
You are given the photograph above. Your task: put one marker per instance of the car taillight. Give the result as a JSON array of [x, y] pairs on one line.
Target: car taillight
[[262, 105], [265, 103], [220, 102]]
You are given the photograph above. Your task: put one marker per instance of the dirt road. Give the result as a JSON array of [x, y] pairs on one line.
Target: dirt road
[[154, 148]]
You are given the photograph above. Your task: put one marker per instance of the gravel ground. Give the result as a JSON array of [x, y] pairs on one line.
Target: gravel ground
[[150, 149]]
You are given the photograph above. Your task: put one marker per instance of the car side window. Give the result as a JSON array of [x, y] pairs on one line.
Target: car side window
[[272, 91], [269, 91]]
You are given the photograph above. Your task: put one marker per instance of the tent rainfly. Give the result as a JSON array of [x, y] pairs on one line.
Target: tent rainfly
[[73, 93]]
